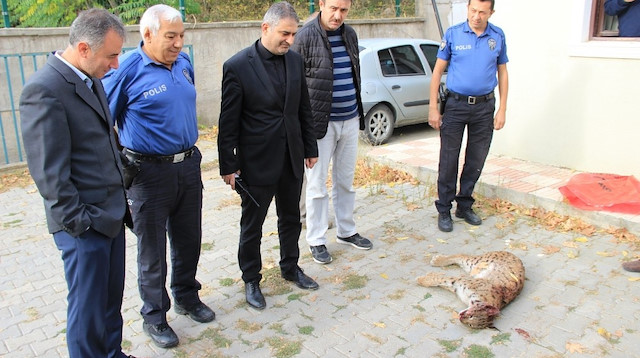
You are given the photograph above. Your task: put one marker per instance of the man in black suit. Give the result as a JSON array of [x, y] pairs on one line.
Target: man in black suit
[[73, 159], [265, 136]]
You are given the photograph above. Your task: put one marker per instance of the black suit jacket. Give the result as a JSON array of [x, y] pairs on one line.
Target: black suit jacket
[[71, 151], [254, 128]]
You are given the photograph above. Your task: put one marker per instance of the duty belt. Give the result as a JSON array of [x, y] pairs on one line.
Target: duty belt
[[174, 158], [472, 99]]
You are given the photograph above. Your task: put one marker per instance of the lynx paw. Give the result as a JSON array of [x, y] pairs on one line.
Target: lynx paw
[[430, 279]]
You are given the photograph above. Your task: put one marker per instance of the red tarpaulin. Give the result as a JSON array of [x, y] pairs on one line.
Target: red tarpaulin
[[607, 192]]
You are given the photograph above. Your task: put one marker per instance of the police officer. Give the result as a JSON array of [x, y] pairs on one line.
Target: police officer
[[475, 51], [152, 97]]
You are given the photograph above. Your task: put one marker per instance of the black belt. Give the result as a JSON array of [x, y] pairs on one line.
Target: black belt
[[174, 158], [472, 99]]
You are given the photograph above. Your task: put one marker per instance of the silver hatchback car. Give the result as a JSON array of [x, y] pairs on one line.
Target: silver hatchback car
[[395, 74]]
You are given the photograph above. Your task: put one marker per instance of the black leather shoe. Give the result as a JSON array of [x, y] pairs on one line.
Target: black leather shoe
[[255, 298], [444, 222], [198, 312], [301, 280], [469, 216], [161, 334]]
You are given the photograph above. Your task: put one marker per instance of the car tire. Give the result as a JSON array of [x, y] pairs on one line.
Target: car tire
[[378, 124]]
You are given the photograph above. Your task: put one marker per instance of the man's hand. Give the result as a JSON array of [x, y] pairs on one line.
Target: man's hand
[[435, 119], [230, 179], [498, 121], [310, 162]]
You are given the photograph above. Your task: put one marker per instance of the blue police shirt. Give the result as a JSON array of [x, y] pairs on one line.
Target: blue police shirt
[[473, 60], [154, 107]]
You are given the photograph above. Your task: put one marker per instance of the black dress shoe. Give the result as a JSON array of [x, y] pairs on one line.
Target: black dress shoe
[[301, 280], [469, 216], [444, 222], [198, 312], [255, 298], [161, 334]]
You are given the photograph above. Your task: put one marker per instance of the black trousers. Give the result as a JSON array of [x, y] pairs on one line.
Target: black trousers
[[166, 198], [477, 119], [287, 194]]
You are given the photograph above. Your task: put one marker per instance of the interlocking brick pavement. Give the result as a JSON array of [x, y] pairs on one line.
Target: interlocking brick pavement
[[577, 301]]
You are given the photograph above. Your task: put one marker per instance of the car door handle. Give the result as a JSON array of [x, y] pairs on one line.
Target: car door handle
[[395, 87]]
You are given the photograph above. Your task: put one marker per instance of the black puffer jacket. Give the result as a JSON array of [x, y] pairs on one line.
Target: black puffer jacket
[[313, 44]]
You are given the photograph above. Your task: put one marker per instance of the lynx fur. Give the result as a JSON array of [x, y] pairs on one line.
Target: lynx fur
[[496, 279]]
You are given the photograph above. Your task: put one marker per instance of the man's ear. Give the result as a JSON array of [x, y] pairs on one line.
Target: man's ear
[[83, 49], [147, 35]]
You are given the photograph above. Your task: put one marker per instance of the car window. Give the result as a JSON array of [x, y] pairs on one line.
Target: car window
[[400, 60], [431, 54]]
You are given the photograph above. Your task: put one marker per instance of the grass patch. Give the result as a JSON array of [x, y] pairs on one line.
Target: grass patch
[[399, 294], [306, 330], [477, 351], [226, 282], [284, 348], [500, 338], [450, 346], [213, 334], [206, 246], [295, 296], [354, 282], [126, 345], [278, 328], [274, 283], [248, 327]]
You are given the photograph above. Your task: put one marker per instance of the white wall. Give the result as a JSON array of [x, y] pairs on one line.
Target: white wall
[[564, 110]]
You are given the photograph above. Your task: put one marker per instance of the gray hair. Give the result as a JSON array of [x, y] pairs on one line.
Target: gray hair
[[151, 18], [278, 11], [91, 26]]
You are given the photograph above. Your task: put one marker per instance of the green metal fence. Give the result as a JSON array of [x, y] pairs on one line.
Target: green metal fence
[[16, 69]]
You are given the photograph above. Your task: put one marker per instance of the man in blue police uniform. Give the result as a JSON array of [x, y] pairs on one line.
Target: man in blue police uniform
[[152, 97], [628, 13], [475, 51]]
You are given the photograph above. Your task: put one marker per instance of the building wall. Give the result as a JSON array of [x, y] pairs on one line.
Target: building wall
[[213, 43], [566, 109]]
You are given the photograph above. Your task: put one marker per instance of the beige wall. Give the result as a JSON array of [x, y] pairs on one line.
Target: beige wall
[[213, 43], [569, 111]]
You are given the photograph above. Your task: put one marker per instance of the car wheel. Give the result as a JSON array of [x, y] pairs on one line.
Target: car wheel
[[378, 124]]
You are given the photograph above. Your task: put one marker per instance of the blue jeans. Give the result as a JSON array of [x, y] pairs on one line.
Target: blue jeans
[[477, 119]]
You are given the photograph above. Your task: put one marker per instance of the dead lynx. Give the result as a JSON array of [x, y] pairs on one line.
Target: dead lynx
[[496, 279]]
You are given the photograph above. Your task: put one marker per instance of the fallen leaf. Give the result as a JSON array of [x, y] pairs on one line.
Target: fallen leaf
[[379, 324], [572, 255], [272, 233], [605, 254], [634, 279], [581, 239], [570, 244], [384, 275], [523, 333], [441, 241], [604, 333], [574, 347], [402, 238], [548, 250]]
